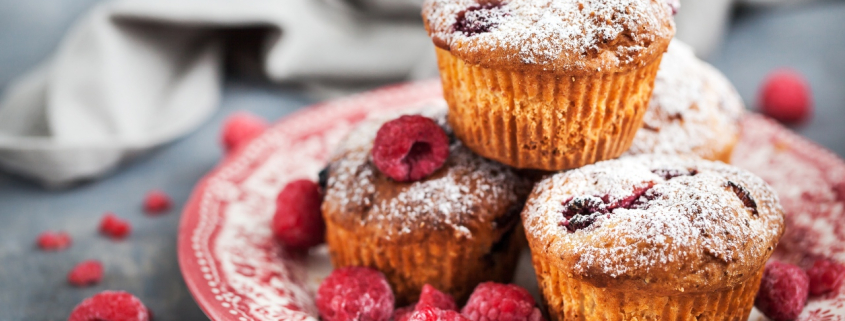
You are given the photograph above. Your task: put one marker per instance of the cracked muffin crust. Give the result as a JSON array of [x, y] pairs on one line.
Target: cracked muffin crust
[[669, 233]]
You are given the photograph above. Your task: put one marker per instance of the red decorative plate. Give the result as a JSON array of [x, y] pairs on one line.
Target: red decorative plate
[[237, 272]]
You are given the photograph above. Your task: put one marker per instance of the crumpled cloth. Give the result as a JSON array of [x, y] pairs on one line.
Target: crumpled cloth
[[135, 74]]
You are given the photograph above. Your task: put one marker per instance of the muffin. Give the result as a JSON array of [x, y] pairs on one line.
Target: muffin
[[548, 84], [651, 237], [694, 110], [453, 229]]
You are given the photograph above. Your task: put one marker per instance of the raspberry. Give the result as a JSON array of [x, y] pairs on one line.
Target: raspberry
[[355, 293], [785, 96], [114, 227], [110, 305], [298, 222], [156, 202], [435, 314], [50, 241], [410, 148], [86, 273], [825, 276], [403, 314], [783, 291], [492, 301], [431, 297], [241, 127]]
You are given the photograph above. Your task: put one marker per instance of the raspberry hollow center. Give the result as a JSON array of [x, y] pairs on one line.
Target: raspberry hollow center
[[419, 153]]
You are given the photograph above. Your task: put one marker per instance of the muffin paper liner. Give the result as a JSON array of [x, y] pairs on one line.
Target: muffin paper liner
[[454, 265], [543, 120], [571, 299]]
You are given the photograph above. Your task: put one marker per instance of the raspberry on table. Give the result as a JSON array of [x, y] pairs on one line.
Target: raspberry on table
[[783, 291], [298, 222], [86, 273], [431, 297], [825, 276], [241, 127], [410, 148], [53, 241], [492, 301], [786, 96], [355, 293], [157, 202], [434, 314], [404, 313], [114, 227], [110, 305]]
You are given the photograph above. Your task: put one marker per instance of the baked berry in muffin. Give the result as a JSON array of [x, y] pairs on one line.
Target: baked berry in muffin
[[651, 237], [453, 228], [548, 84], [694, 110]]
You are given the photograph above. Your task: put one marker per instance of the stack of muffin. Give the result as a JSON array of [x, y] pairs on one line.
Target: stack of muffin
[[562, 88]]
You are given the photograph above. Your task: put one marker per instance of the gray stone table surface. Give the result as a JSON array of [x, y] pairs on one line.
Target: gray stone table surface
[[810, 38]]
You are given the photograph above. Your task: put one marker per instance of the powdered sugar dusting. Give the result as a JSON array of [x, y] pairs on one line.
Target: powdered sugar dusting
[[449, 198], [680, 219], [541, 31], [694, 110]]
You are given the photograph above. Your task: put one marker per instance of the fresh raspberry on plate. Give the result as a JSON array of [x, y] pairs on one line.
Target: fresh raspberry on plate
[[53, 241], [86, 273], [786, 96], [241, 127], [355, 293], [825, 276], [431, 297], [114, 227], [783, 291], [492, 301], [404, 313], [410, 148], [157, 202], [112, 306], [298, 222], [434, 314]]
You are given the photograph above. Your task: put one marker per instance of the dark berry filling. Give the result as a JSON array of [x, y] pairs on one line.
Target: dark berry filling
[[744, 196], [674, 5], [582, 211], [670, 173], [477, 19], [323, 178]]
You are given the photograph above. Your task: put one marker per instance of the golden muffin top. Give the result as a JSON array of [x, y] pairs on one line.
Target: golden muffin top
[[665, 224], [552, 35], [468, 196]]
